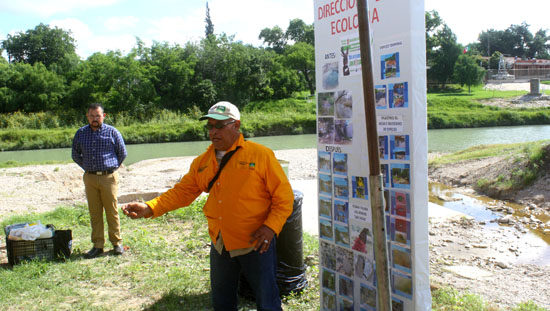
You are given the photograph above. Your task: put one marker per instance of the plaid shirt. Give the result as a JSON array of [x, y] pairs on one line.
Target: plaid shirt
[[100, 150]]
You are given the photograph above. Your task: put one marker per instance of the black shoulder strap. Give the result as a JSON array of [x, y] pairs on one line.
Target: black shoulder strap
[[225, 159]]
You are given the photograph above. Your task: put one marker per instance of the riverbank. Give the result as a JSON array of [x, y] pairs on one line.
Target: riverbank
[[464, 254]]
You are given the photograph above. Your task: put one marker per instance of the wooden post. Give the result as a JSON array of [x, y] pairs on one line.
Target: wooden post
[[376, 178]]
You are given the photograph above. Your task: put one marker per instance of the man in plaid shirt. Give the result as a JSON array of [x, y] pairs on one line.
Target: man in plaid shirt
[[99, 149]]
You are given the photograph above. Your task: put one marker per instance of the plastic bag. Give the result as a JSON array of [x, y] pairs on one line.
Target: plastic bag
[[30, 232]]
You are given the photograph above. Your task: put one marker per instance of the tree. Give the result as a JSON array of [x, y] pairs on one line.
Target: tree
[[468, 72], [301, 57], [298, 31], [209, 28], [539, 47], [41, 44], [30, 88], [275, 38], [442, 55]]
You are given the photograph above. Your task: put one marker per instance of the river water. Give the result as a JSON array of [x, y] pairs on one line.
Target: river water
[[447, 140]]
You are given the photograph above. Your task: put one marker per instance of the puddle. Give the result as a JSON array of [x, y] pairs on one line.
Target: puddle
[[536, 249]]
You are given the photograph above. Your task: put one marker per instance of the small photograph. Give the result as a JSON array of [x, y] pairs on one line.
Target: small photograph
[[340, 164], [362, 239], [402, 284], [344, 261], [328, 280], [341, 189], [384, 170], [367, 297], [388, 229], [398, 95], [341, 235], [330, 75], [341, 211], [383, 149], [325, 229], [401, 176], [400, 204], [401, 231], [325, 185], [325, 207], [346, 287], [401, 258], [399, 146], [345, 304], [325, 130], [364, 268], [329, 301], [360, 187], [380, 97], [325, 104], [327, 253], [344, 104], [389, 66], [324, 161], [343, 132], [397, 305]]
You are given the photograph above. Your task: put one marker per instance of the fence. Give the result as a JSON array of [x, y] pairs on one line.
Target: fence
[[518, 74]]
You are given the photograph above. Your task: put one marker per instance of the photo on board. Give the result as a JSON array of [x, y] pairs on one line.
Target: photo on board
[[324, 162], [344, 261], [367, 297], [328, 280], [343, 132], [325, 207], [360, 187], [341, 235], [325, 130], [325, 104], [364, 268], [327, 255], [343, 104], [380, 97], [389, 66], [330, 75], [329, 301]]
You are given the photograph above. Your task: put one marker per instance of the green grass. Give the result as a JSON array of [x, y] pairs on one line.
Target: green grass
[[165, 268], [530, 160]]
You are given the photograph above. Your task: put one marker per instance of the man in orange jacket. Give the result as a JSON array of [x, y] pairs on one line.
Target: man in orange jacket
[[249, 200]]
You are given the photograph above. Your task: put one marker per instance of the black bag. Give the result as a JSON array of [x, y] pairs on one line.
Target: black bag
[[63, 243]]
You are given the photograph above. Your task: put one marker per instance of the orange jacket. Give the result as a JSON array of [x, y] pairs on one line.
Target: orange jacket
[[251, 190]]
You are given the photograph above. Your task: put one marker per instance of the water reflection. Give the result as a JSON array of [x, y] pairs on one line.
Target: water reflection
[[537, 244]]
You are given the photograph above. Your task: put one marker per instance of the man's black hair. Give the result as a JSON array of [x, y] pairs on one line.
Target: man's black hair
[[94, 106]]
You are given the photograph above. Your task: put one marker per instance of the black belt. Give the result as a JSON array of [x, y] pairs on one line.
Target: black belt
[[100, 172]]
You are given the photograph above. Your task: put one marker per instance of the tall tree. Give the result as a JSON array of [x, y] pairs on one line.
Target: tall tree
[[539, 47], [301, 57], [442, 55], [468, 72], [209, 28], [275, 38], [41, 44], [299, 31]]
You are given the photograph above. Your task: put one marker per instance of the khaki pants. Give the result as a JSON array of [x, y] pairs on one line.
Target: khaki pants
[[101, 193]]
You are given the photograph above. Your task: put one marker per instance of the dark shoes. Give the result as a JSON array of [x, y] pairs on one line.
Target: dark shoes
[[118, 250], [93, 253]]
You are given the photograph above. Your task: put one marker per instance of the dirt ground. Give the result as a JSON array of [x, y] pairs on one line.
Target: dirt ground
[[464, 253]]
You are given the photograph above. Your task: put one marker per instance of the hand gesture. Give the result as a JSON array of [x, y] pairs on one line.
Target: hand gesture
[[137, 210]]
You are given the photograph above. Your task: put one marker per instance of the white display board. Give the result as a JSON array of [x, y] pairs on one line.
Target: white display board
[[345, 222]]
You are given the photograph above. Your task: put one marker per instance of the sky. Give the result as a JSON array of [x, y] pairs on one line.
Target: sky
[[103, 25]]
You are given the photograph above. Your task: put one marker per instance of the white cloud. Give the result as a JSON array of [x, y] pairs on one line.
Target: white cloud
[[51, 7], [88, 42], [177, 29], [246, 18], [117, 23]]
